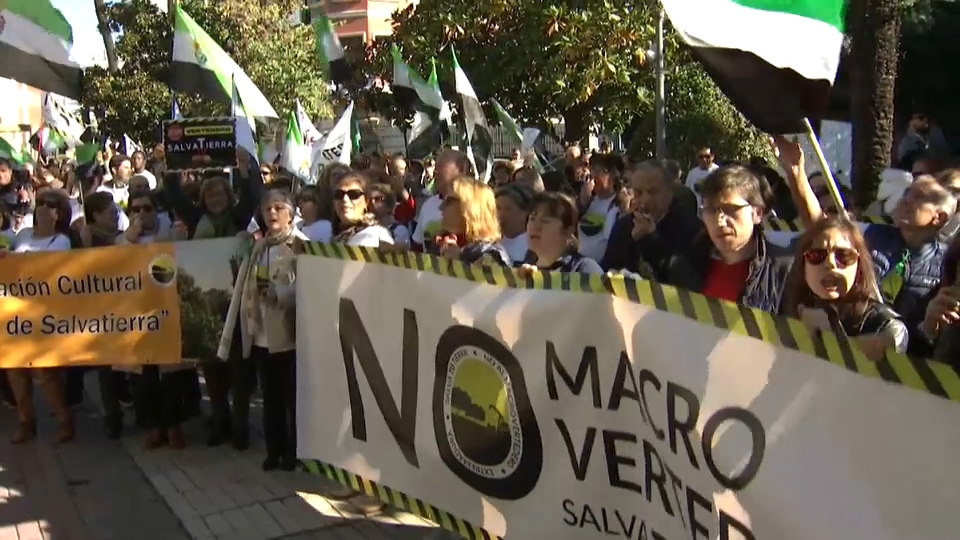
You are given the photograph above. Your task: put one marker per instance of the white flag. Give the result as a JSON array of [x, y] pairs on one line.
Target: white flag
[[57, 117], [336, 147], [308, 131]]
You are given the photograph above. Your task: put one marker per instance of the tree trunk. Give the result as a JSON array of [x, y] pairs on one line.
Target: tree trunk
[[112, 63], [875, 32]]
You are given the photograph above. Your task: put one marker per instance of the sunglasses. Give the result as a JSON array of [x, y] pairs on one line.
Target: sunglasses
[[143, 208], [844, 257], [51, 204], [352, 194]]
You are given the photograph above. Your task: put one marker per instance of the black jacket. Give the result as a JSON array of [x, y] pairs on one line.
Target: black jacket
[[765, 282], [651, 256]]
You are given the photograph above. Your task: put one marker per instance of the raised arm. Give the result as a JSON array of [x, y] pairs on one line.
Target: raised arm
[[791, 159]]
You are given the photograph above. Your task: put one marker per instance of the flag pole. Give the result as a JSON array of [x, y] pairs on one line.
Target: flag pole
[[825, 169]]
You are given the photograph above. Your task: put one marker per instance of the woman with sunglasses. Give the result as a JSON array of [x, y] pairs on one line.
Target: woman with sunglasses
[[354, 223], [50, 232], [832, 287]]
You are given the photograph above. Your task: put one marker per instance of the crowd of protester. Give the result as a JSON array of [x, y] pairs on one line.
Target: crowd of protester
[[879, 284]]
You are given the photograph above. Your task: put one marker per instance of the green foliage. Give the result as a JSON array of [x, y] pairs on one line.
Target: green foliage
[[698, 115], [279, 59], [583, 62], [201, 317]]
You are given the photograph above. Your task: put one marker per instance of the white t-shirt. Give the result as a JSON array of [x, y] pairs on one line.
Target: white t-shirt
[[121, 196], [268, 268], [428, 222], [371, 237], [26, 243], [516, 247], [595, 226], [318, 231], [696, 175]]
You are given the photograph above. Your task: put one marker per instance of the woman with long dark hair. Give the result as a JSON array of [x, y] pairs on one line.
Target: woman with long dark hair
[[832, 286]]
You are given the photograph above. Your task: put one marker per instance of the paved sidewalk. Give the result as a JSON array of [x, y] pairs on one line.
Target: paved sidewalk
[[95, 489]]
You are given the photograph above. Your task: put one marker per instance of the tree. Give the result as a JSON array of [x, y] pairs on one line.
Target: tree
[[102, 25], [874, 28], [278, 58], [581, 62]]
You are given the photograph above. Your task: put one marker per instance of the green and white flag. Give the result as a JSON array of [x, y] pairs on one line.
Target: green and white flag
[[523, 139], [333, 61], [478, 142], [775, 59], [35, 43], [295, 157], [245, 128], [9, 152], [56, 116], [201, 66], [308, 131]]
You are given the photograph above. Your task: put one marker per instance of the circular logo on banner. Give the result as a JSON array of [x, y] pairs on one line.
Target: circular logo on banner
[[175, 132], [163, 270], [485, 427]]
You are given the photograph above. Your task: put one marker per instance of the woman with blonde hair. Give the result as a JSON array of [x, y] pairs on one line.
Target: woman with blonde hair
[[470, 228]]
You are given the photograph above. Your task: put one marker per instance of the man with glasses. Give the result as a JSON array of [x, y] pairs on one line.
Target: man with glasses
[[705, 166]]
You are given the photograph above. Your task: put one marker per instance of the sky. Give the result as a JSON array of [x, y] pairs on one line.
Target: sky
[[87, 43]]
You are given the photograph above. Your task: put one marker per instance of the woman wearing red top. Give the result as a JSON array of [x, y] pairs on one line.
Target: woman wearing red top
[[733, 260]]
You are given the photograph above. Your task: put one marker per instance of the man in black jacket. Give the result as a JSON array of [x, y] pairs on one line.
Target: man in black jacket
[[657, 227]]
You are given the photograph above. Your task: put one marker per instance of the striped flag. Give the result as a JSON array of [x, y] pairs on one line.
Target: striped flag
[[295, 157], [35, 42], [308, 131], [200, 66], [478, 142], [57, 118], [245, 127], [333, 61], [522, 139], [775, 59]]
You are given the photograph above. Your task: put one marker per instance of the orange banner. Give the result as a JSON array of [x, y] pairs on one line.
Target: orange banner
[[116, 306]]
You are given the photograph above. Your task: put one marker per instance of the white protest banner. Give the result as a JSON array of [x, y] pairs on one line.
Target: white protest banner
[[558, 414]]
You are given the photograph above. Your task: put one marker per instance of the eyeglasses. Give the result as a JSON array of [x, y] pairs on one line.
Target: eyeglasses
[[352, 194], [843, 257], [141, 208], [49, 203], [728, 210]]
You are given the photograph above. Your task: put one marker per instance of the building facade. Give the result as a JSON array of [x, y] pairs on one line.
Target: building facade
[[20, 111], [358, 22]]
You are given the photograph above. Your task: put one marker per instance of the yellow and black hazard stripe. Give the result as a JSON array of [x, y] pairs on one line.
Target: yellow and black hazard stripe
[[399, 500], [771, 224], [923, 375]]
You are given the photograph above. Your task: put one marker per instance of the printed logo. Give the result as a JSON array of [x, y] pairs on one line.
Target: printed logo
[[175, 132], [163, 270], [198, 54], [485, 427]]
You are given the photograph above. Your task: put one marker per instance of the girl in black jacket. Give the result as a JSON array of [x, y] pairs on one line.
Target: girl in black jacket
[[832, 287]]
